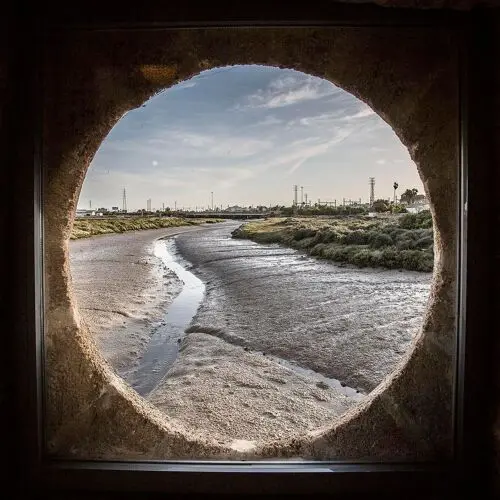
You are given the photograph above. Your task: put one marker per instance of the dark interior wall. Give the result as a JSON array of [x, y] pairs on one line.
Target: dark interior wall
[[495, 138]]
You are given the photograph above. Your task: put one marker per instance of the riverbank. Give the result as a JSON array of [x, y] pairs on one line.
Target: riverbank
[[402, 243], [270, 318], [265, 304], [85, 228], [346, 323], [122, 291], [235, 394]]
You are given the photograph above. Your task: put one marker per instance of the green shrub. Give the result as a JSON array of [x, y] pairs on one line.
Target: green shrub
[[381, 240], [317, 250], [90, 227], [366, 258], [355, 238], [405, 244], [303, 232], [416, 260], [389, 258], [422, 220], [304, 243], [425, 242]]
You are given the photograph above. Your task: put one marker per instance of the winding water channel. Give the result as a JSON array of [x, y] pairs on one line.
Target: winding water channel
[[349, 325]]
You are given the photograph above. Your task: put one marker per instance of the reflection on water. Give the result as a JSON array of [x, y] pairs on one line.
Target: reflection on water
[[347, 324], [164, 344], [344, 322]]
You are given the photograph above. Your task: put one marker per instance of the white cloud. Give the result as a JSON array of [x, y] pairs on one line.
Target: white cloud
[[287, 91], [268, 120], [182, 151], [197, 145], [364, 112]]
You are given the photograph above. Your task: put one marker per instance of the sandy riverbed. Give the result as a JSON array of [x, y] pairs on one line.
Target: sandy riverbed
[[122, 291], [219, 386]]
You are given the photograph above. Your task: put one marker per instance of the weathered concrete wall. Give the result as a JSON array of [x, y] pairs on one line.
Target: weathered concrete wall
[[407, 76]]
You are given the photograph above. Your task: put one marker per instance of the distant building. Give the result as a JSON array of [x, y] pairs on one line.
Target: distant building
[[235, 209], [415, 208], [419, 204], [115, 209], [82, 212]]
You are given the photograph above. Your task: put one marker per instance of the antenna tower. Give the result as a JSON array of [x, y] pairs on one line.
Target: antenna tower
[[372, 191]]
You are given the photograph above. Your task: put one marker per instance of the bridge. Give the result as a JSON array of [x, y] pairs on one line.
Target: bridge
[[187, 215], [221, 215]]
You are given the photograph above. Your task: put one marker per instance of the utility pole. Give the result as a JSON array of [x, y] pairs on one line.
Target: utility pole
[[148, 204], [90, 203], [295, 195], [301, 195], [124, 200], [372, 191], [175, 205], [306, 198], [212, 193]]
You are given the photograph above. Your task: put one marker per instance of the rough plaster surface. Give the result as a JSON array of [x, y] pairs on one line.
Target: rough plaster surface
[[407, 76]]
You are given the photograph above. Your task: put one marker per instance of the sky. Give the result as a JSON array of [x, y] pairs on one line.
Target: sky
[[247, 134]]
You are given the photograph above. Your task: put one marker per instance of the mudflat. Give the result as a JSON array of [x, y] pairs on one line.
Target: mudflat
[[122, 291]]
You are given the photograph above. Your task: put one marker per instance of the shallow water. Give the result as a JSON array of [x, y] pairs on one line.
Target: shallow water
[[163, 347], [343, 322], [347, 324]]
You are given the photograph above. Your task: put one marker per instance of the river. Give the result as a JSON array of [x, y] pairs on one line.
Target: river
[[277, 344], [344, 323]]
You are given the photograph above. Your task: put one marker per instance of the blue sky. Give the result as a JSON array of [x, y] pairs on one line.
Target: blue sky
[[247, 133]]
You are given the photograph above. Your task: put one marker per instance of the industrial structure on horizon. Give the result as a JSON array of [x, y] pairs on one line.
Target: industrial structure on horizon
[[418, 203]]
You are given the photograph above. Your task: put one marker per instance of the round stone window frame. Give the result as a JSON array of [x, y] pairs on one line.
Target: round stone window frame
[[407, 76]]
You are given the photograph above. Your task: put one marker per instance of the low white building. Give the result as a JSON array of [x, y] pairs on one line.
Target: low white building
[[82, 212], [419, 204], [235, 209]]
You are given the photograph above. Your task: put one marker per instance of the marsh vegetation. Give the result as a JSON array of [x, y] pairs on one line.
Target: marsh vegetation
[[84, 228], [399, 242]]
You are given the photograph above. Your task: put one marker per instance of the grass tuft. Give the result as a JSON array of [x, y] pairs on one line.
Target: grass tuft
[[400, 242]]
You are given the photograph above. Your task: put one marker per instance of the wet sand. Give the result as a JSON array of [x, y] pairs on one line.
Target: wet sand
[[122, 291], [344, 322], [262, 303]]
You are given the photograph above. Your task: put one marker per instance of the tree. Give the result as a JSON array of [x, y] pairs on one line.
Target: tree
[[409, 196], [380, 206]]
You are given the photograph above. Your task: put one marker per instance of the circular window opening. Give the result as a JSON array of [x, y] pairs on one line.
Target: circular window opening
[[266, 253]]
